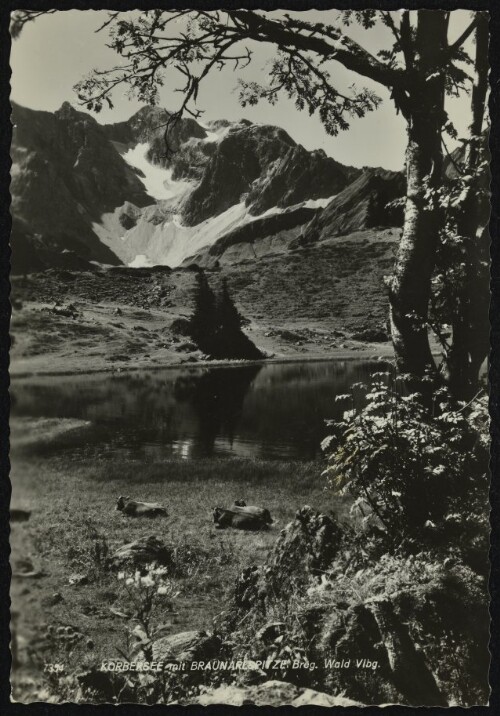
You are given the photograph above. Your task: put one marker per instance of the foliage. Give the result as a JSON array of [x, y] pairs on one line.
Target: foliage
[[418, 470], [310, 88], [462, 260], [147, 593], [202, 321], [89, 554], [216, 323]]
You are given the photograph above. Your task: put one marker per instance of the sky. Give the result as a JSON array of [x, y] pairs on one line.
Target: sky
[[56, 51]]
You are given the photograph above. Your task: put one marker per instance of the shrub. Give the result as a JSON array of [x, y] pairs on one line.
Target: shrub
[[419, 470]]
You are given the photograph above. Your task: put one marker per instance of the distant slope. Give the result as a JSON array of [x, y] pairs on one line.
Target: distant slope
[[302, 303], [268, 235], [361, 205]]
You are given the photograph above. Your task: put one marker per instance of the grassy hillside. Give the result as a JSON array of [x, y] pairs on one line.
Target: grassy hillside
[[303, 303]]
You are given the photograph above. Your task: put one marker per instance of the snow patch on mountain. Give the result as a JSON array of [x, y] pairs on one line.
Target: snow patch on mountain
[[157, 181], [169, 242], [141, 261], [318, 203]]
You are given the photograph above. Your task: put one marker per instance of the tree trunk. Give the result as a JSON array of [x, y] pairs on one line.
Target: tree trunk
[[411, 283], [470, 324]]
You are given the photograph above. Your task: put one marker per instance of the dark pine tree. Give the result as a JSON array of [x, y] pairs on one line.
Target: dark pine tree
[[203, 321], [228, 315], [215, 325], [231, 342]]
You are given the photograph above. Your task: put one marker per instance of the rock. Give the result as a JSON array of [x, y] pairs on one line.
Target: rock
[[309, 697], [142, 551], [304, 549], [362, 204], [77, 580], [271, 693], [270, 632], [52, 600], [187, 646], [181, 326], [371, 335], [265, 164], [410, 672], [186, 347], [67, 311], [290, 335]]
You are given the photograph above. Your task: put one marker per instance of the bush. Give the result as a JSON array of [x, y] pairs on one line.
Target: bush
[[419, 470]]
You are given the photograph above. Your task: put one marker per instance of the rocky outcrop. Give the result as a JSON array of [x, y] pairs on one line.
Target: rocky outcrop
[[143, 551], [271, 693], [264, 167], [297, 176], [174, 150], [361, 205], [187, 646], [304, 549], [269, 235], [65, 175], [394, 630]]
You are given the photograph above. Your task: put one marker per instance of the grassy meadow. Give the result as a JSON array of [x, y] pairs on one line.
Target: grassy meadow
[[74, 527]]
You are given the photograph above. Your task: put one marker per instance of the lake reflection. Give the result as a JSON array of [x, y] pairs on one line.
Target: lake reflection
[[274, 411]]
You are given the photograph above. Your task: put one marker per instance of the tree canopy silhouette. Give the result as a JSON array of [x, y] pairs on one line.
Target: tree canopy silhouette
[[215, 324]]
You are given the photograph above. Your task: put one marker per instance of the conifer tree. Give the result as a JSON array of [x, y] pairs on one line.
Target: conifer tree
[[228, 315], [203, 320]]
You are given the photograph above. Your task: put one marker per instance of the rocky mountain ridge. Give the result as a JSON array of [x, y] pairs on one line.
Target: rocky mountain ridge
[[117, 194]]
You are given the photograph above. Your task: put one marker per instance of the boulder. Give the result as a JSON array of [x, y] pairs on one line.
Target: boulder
[[142, 551], [187, 646], [271, 693], [304, 549], [372, 335]]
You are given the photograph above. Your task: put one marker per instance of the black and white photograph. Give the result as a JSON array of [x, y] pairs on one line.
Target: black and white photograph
[[249, 356]]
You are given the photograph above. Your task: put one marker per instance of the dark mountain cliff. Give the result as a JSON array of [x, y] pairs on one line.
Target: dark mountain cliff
[[149, 124], [65, 175], [263, 166]]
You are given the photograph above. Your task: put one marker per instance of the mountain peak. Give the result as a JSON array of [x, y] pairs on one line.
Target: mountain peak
[[67, 109]]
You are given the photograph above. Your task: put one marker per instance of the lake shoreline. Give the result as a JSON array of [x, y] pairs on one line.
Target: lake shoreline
[[373, 352]]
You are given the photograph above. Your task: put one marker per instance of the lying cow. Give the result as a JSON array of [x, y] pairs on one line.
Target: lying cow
[[134, 508], [241, 506], [239, 520]]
